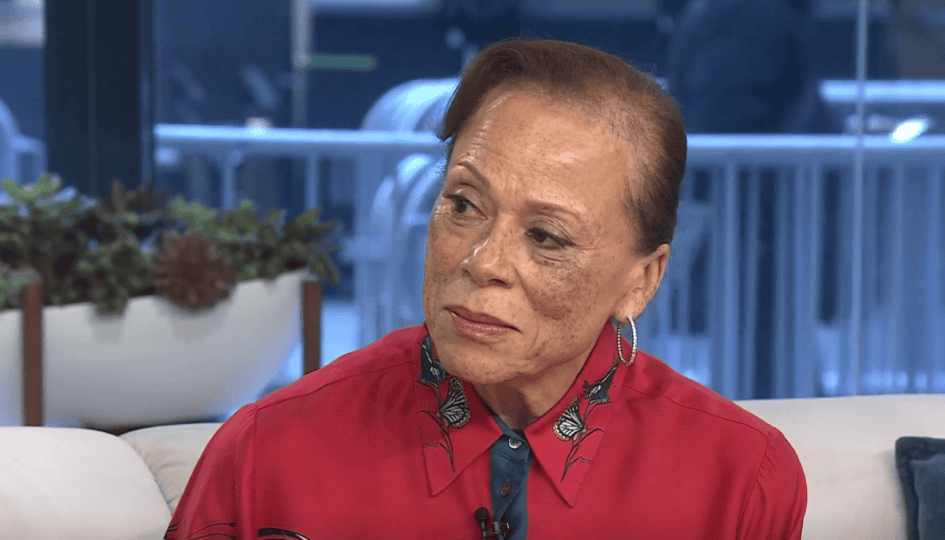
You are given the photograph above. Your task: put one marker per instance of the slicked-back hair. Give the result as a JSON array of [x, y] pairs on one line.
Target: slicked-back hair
[[630, 101]]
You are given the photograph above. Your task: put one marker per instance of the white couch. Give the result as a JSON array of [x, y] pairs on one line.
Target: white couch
[[81, 484]]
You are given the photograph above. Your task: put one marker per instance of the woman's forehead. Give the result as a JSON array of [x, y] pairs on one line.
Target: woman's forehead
[[522, 130], [500, 96], [525, 150], [598, 116]]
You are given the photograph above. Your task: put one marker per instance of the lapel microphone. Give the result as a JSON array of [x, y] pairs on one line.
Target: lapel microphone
[[495, 529]]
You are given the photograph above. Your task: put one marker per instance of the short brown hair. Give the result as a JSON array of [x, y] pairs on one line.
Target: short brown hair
[[629, 99]]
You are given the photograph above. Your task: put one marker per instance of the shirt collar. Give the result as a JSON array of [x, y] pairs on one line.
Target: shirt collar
[[456, 426]]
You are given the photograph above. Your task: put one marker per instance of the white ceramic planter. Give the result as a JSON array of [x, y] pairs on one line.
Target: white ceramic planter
[[155, 363]]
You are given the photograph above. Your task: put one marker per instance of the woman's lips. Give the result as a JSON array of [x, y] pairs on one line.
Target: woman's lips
[[473, 324]]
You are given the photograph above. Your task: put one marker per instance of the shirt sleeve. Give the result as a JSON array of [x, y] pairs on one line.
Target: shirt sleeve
[[778, 500], [217, 502]]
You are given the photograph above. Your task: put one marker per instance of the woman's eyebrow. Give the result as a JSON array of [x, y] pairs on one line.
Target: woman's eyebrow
[[575, 226], [539, 207], [550, 208], [475, 172]]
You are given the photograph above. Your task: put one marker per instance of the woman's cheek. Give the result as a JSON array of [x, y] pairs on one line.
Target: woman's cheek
[[443, 256], [547, 297], [447, 249], [432, 272], [556, 291], [572, 309]]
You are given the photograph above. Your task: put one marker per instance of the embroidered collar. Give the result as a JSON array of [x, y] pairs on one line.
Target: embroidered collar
[[456, 426]]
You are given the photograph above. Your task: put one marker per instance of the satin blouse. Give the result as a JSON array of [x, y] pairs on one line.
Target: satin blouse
[[384, 443]]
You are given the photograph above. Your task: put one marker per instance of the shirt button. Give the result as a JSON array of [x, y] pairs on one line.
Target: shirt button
[[506, 488], [514, 443]]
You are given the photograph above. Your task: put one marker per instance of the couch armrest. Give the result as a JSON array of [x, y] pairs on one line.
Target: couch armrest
[[847, 448], [78, 484], [171, 453]]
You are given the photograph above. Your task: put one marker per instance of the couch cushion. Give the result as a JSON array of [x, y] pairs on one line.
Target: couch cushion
[[921, 464], [846, 446], [171, 452], [77, 484]]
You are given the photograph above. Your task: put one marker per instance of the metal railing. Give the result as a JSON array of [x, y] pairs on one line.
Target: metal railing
[[756, 301], [14, 147], [764, 305]]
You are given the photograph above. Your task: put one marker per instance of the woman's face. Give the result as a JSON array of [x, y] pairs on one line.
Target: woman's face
[[529, 250]]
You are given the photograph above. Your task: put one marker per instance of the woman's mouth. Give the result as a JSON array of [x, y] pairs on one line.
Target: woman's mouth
[[474, 325]]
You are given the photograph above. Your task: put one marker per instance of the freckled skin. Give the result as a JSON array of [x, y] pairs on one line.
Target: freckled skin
[[489, 250]]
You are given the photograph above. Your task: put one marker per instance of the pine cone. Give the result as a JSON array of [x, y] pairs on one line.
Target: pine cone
[[193, 271]]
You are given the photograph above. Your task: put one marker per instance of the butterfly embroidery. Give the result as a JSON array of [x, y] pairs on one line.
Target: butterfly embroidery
[[452, 411], [572, 424]]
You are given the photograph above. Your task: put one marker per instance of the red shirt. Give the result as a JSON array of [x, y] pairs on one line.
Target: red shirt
[[382, 443]]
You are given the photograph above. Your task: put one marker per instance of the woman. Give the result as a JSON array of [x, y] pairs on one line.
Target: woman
[[515, 411]]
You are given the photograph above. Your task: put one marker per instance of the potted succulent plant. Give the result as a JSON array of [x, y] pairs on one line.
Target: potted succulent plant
[[156, 311]]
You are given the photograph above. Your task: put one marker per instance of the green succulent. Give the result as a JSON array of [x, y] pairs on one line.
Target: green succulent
[[263, 247], [113, 273], [12, 283], [44, 188], [97, 251]]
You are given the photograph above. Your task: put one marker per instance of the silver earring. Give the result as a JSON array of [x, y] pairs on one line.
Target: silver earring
[[633, 344]]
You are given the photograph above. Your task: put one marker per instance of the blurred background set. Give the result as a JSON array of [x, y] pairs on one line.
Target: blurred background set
[[810, 252]]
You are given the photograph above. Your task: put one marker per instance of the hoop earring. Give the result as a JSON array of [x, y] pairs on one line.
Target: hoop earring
[[633, 344]]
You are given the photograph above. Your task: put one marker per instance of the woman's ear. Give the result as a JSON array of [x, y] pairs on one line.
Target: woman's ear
[[645, 278]]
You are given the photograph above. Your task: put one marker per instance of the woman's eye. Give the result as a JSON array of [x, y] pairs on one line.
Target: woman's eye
[[460, 204], [546, 239]]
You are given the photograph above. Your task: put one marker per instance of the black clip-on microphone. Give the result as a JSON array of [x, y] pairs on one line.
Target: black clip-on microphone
[[497, 529]]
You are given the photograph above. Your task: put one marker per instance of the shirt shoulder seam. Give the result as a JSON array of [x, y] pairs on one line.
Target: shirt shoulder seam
[[329, 383], [764, 432], [754, 486]]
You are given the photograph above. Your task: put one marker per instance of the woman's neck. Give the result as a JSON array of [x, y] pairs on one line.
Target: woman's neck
[[521, 401]]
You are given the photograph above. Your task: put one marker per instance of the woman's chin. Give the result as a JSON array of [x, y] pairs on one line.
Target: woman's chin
[[474, 368], [473, 360]]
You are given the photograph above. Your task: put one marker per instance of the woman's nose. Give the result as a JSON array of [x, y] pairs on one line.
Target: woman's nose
[[489, 258]]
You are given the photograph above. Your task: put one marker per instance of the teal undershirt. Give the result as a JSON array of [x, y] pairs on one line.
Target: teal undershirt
[[508, 464]]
